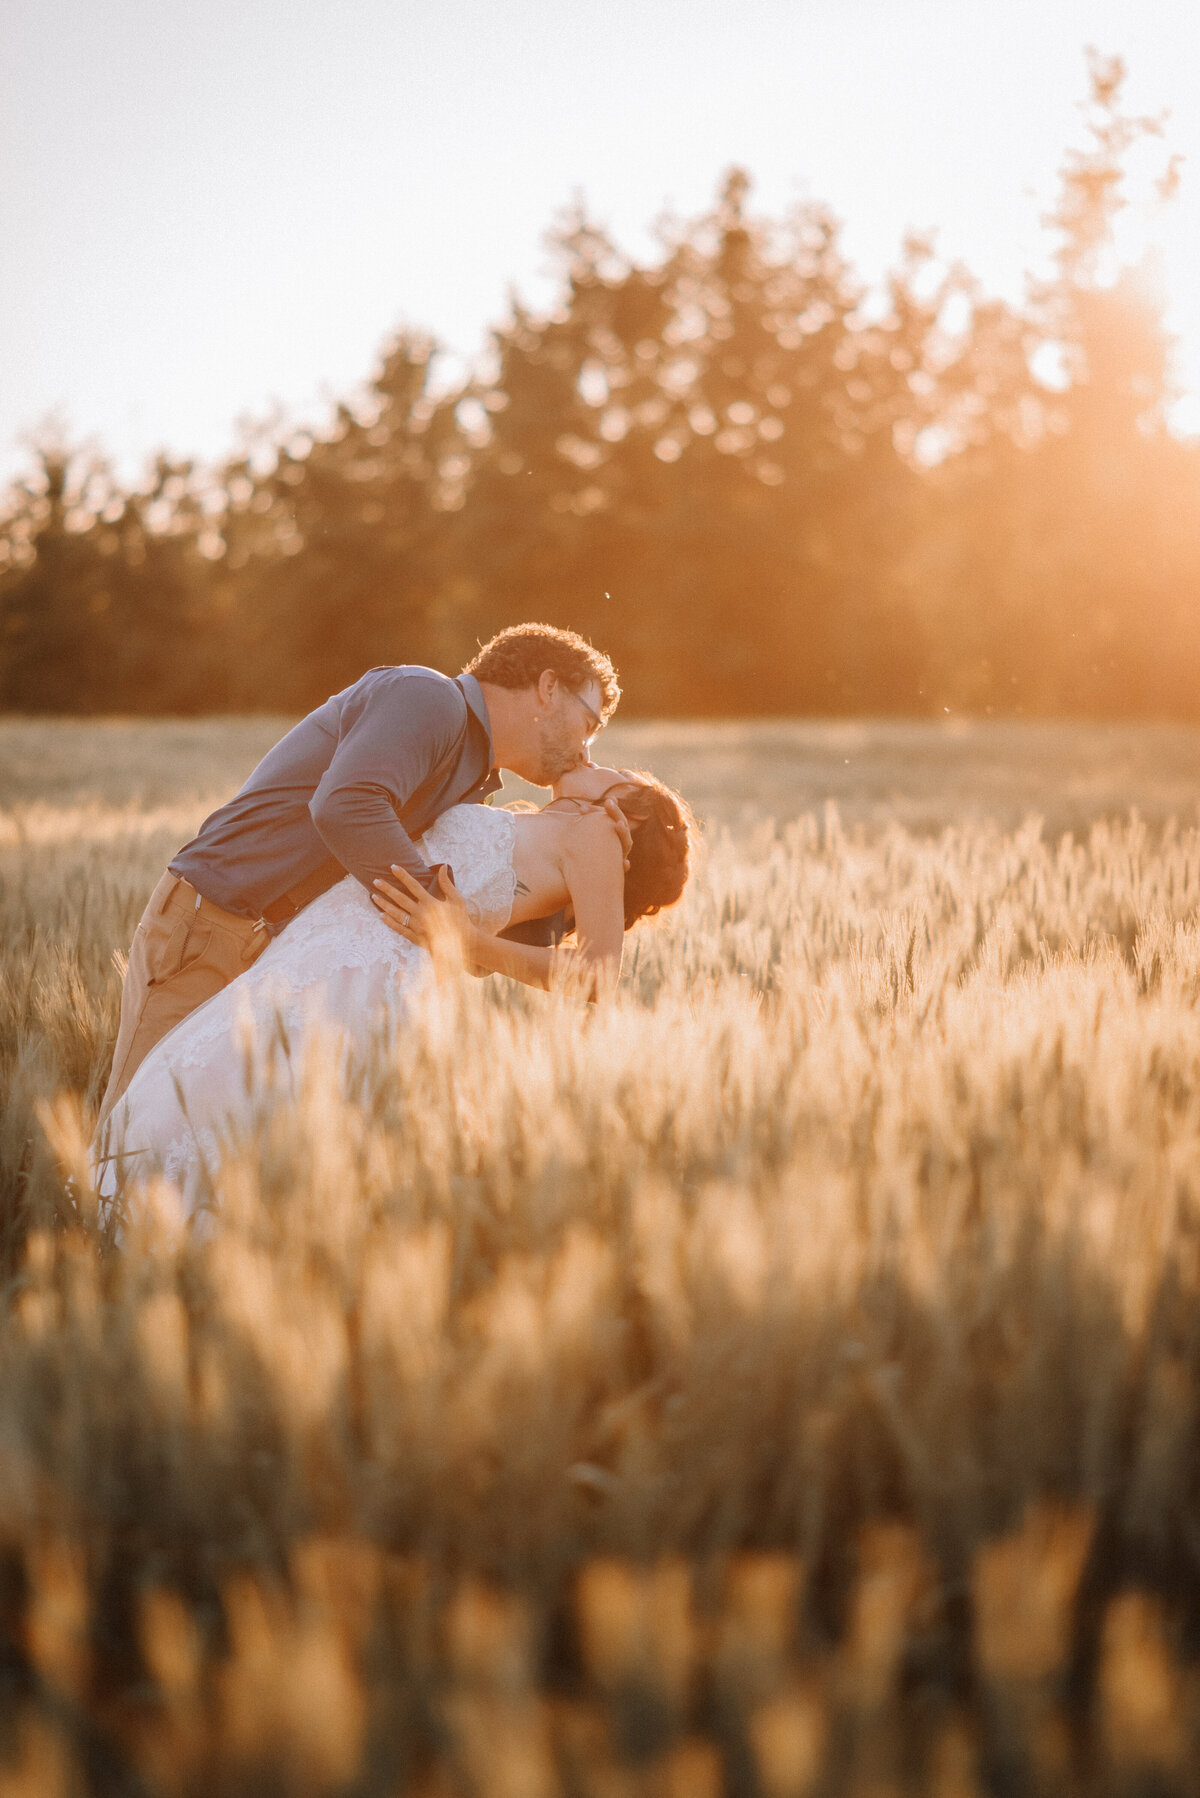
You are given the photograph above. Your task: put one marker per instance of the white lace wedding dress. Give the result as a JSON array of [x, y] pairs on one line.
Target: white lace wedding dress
[[337, 973]]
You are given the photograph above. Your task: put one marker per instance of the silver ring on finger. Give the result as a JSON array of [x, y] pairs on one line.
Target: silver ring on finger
[[405, 919]]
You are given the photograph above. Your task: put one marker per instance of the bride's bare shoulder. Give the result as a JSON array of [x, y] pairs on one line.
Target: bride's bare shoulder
[[592, 836]]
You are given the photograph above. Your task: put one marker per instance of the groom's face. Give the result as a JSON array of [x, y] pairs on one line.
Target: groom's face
[[565, 723]]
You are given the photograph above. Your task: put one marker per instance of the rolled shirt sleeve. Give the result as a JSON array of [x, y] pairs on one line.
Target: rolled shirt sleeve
[[392, 740]]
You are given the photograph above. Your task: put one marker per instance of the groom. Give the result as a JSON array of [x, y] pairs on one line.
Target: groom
[[345, 792]]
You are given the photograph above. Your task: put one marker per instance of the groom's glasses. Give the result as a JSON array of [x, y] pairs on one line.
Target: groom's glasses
[[595, 721]]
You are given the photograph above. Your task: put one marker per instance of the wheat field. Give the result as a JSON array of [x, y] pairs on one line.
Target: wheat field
[[782, 1380]]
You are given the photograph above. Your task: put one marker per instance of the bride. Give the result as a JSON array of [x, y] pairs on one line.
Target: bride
[[346, 966]]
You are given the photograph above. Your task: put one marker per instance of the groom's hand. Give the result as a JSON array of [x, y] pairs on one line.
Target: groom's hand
[[439, 923], [621, 822]]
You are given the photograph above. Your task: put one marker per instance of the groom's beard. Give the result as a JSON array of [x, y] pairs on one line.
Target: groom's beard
[[558, 752]]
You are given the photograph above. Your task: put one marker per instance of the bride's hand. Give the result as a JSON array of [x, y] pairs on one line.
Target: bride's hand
[[442, 925]]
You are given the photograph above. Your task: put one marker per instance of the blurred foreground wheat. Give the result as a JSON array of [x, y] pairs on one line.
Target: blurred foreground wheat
[[782, 1381]]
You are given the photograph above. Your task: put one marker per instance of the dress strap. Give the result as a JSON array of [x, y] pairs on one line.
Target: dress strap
[[578, 799]]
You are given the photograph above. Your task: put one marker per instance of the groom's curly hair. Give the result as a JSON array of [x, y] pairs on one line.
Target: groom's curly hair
[[518, 656]]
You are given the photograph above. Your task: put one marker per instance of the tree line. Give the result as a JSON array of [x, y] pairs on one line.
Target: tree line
[[759, 487]]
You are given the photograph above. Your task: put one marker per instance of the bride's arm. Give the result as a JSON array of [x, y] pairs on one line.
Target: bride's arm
[[444, 927], [526, 962], [594, 869]]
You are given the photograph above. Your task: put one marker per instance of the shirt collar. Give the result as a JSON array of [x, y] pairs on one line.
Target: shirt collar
[[476, 703]]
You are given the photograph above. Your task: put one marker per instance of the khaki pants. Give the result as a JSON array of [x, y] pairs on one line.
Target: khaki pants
[[184, 950]]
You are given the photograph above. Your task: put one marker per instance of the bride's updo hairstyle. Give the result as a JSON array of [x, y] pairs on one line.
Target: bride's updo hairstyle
[[661, 824]]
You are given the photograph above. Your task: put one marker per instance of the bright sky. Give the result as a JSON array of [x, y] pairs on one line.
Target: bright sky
[[210, 207]]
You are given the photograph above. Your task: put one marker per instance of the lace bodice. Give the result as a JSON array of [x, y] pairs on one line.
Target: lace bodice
[[293, 979], [342, 929], [477, 842], [337, 967]]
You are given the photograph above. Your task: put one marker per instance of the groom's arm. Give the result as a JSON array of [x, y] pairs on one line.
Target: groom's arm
[[393, 737]]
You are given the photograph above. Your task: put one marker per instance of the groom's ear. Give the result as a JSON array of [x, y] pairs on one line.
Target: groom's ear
[[547, 686]]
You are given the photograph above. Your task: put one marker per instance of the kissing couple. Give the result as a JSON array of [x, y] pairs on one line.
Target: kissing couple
[[356, 854]]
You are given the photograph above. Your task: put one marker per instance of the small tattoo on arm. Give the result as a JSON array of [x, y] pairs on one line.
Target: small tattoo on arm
[[521, 887]]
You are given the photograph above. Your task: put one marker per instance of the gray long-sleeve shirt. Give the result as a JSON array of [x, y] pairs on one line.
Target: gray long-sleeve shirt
[[357, 779]]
